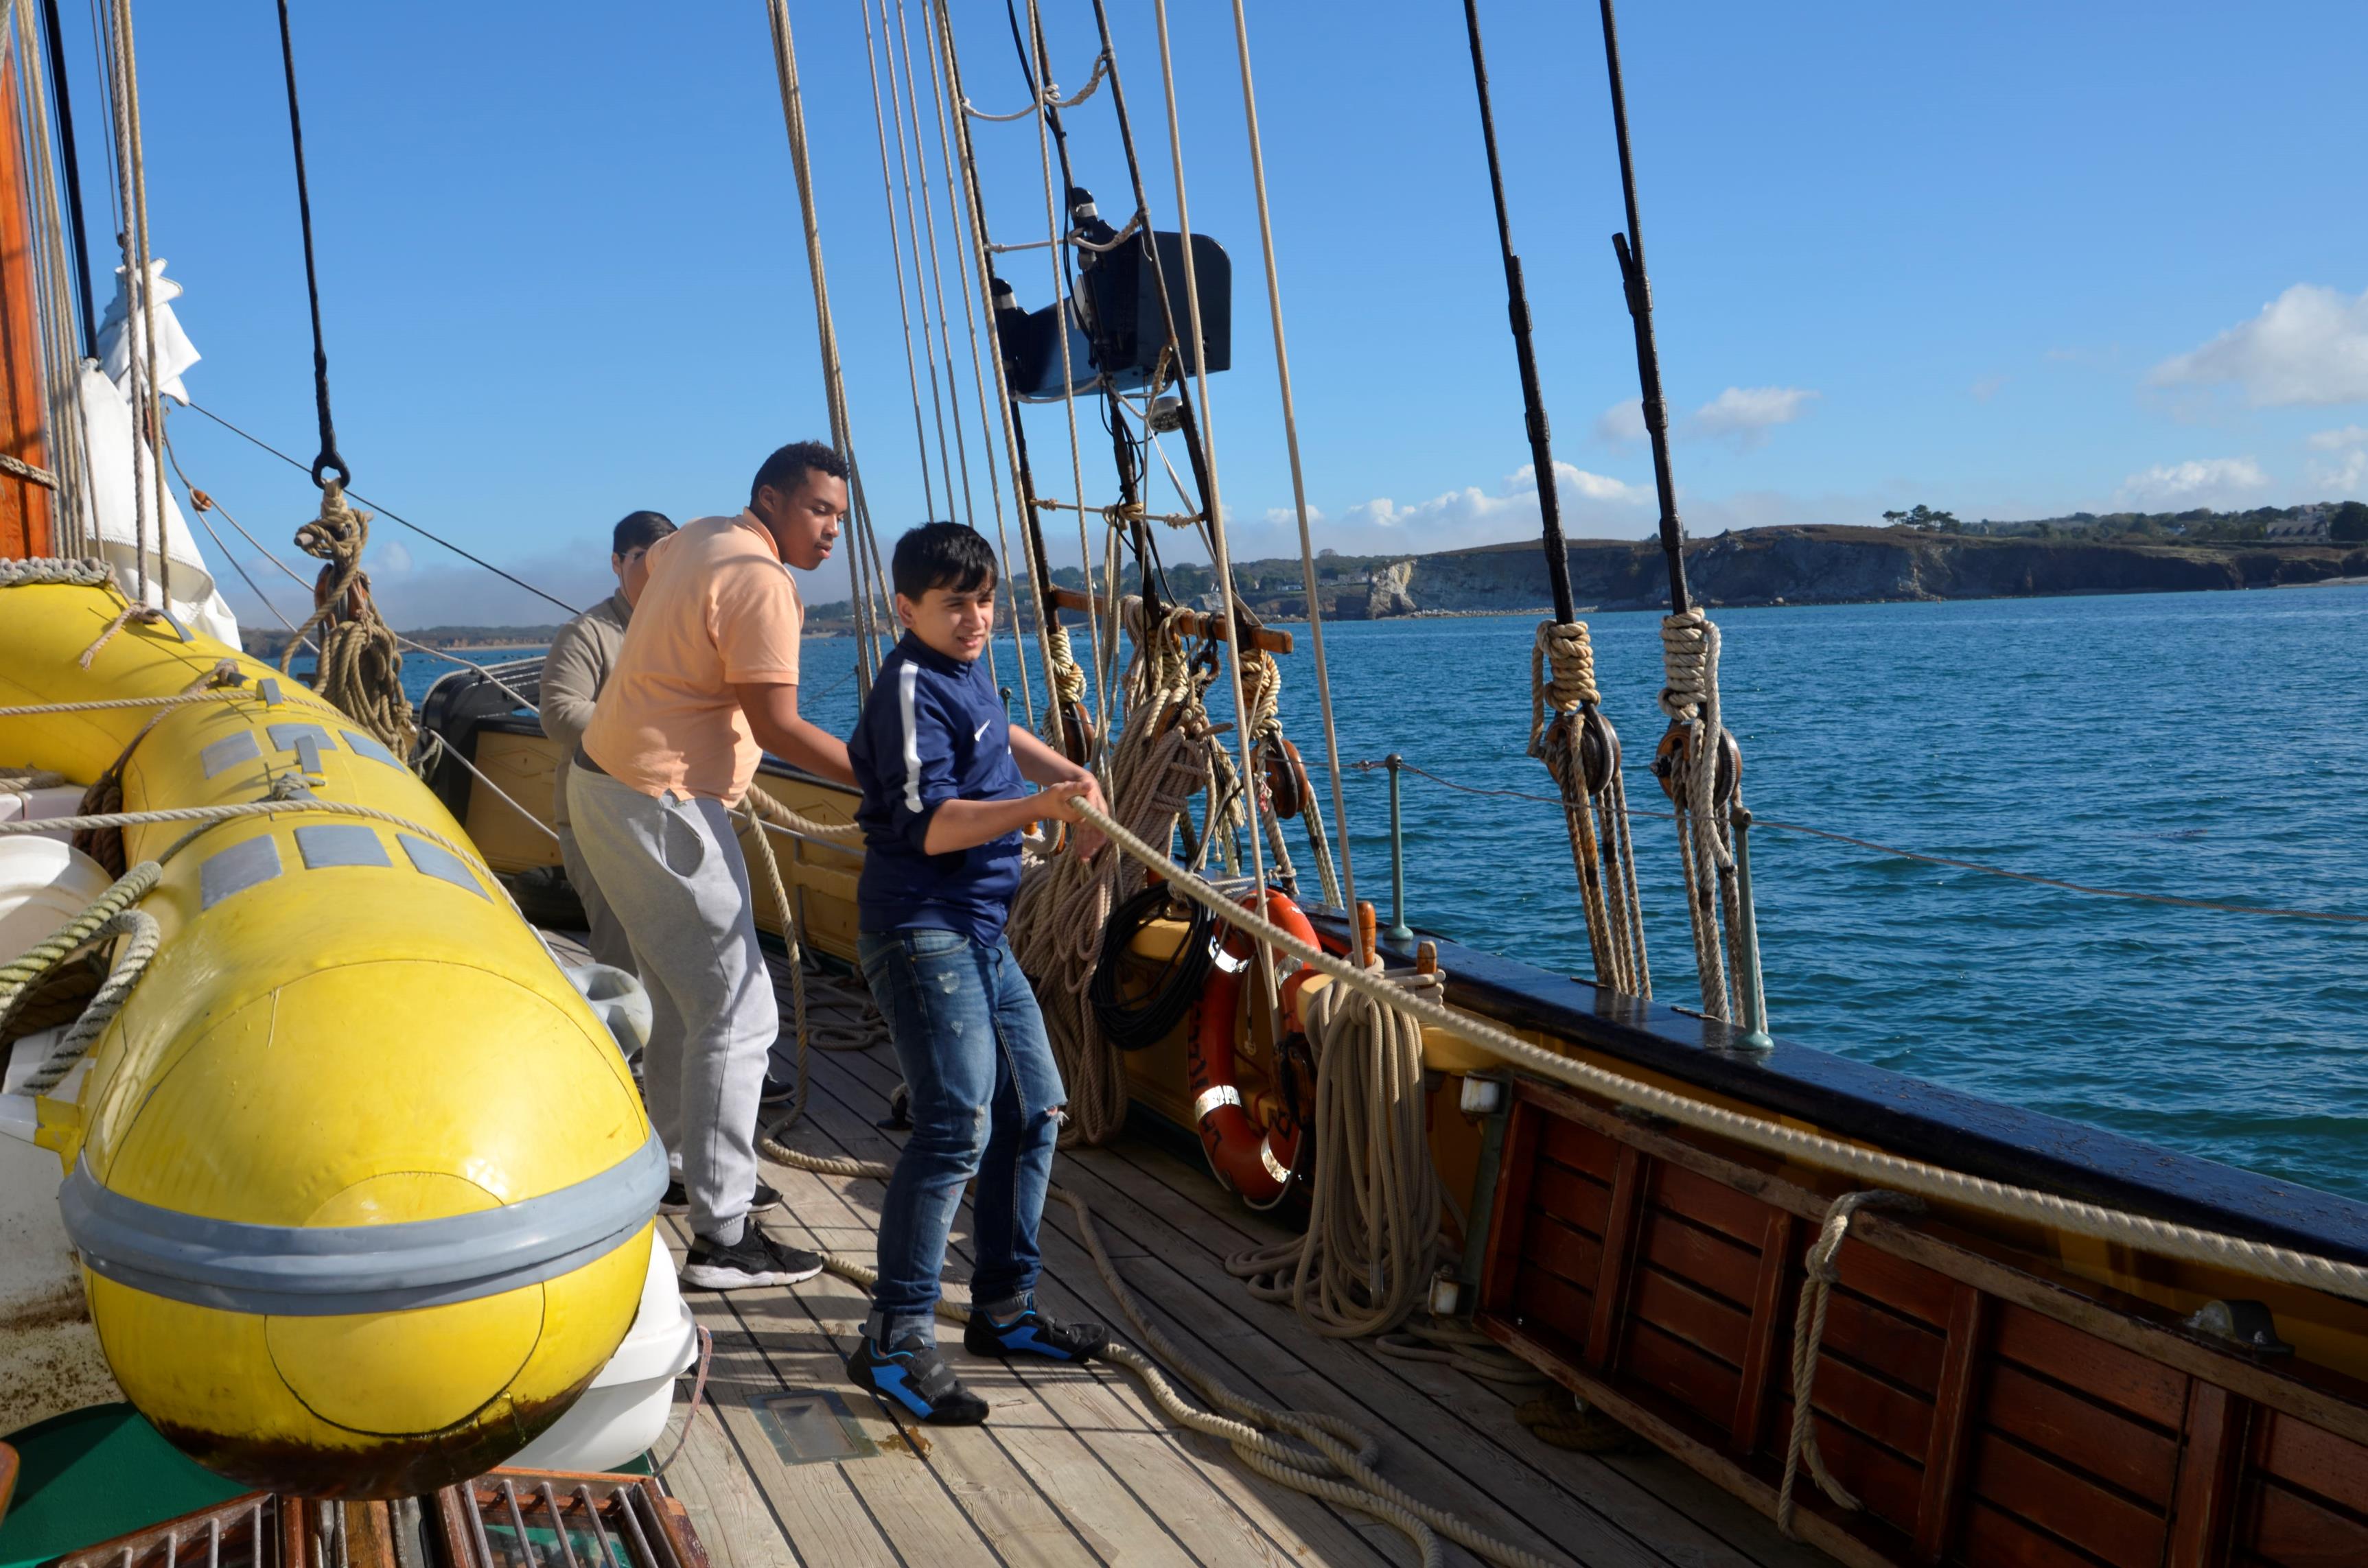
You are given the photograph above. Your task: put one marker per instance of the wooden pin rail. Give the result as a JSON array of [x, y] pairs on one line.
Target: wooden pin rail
[[1209, 626]]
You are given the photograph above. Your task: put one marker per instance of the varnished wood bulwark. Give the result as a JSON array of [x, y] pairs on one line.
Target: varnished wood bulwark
[[1981, 1415]]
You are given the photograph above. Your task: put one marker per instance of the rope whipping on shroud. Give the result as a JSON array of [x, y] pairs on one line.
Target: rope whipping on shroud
[[1699, 764], [360, 669], [1568, 731]]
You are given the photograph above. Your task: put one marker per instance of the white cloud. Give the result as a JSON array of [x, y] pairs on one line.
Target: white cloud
[[2309, 346], [389, 555], [2199, 482], [2346, 475], [1623, 424], [1746, 415], [1986, 388]]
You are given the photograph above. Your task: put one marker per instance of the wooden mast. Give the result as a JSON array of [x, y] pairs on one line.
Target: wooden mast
[[28, 512]]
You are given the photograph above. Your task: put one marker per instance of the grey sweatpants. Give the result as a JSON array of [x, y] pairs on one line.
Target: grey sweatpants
[[672, 869], [609, 942]]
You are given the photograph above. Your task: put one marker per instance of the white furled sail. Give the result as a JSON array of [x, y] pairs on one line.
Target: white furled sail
[[108, 432]]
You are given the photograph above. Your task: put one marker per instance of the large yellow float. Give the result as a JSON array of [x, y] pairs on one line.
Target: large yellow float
[[361, 1188]]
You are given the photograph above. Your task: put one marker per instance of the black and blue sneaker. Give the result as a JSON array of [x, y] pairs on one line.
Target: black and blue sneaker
[[911, 1375], [1029, 1333]]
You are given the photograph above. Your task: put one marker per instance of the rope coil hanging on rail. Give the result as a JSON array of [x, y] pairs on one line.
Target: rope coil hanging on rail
[[1570, 734]]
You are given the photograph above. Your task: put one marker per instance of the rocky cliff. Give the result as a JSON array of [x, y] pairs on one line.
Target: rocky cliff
[[1831, 566]]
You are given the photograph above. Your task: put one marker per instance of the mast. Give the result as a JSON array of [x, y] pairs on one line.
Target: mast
[[26, 515], [1630, 249], [1517, 304]]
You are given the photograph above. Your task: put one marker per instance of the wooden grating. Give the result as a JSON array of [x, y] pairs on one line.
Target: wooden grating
[[1980, 1414]]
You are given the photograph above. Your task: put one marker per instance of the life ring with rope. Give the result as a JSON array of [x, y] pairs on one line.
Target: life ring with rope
[[1255, 1160]]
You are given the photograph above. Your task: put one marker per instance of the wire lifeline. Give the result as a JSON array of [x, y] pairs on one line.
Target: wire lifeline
[[389, 515], [2260, 1259], [1367, 765]]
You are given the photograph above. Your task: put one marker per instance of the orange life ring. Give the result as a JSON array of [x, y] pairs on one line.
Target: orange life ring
[[1257, 1162]]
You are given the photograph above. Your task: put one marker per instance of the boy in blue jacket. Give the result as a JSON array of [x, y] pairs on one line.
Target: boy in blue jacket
[[944, 800]]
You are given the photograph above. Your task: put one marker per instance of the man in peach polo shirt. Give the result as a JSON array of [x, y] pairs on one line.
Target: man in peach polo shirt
[[706, 682]]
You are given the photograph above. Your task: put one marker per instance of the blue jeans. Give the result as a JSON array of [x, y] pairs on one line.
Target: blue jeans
[[984, 1094]]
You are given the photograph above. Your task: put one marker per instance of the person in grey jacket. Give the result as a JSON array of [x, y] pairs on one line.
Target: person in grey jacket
[[573, 674]]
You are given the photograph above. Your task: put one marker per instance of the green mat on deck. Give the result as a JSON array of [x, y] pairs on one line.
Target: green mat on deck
[[90, 1475]]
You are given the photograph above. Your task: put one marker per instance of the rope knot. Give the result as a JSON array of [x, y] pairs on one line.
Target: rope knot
[[360, 668], [1689, 662]]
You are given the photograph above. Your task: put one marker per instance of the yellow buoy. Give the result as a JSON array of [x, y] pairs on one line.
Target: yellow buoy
[[361, 1187]]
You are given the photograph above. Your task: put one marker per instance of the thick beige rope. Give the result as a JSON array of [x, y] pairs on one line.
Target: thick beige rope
[[1305, 1451], [1690, 662], [1808, 1338], [1364, 1262], [360, 669], [1564, 710], [2260, 1259]]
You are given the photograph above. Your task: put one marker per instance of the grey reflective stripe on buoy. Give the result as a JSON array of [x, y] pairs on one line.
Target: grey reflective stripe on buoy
[[332, 1270]]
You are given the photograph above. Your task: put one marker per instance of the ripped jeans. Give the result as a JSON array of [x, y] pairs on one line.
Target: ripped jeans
[[985, 1091]]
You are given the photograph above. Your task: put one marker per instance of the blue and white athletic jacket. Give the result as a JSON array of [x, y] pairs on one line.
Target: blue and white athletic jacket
[[933, 731]]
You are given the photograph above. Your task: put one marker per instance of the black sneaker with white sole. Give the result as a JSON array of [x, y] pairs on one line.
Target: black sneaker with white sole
[[755, 1259], [913, 1378], [678, 1199]]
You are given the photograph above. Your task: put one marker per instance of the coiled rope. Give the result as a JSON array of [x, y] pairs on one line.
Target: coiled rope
[[1364, 1262], [360, 668], [2260, 1259]]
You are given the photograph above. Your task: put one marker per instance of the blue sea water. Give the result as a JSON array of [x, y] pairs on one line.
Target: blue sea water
[[2202, 745]]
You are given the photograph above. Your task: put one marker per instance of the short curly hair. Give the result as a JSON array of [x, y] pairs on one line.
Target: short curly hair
[[789, 466]]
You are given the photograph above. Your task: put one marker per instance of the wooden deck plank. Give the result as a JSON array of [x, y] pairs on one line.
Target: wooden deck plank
[[1652, 1494], [1230, 1505], [1448, 1466], [817, 1507]]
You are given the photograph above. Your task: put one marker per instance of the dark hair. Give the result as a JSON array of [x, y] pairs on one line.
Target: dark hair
[[942, 555], [789, 464], [639, 530]]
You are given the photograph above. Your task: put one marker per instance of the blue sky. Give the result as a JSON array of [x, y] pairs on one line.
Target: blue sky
[[2011, 260]]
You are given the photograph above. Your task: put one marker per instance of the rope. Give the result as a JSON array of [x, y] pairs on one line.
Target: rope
[[1370, 764], [123, 67], [1473, 1354], [863, 557], [792, 924], [212, 816], [1689, 698], [1346, 896], [781, 816], [2260, 1259], [105, 791], [1048, 97], [360, 669], [1221, 551], [1318, 1455], [1060, 913], [1364, 1262], [896, 255], [1007, 583], [1808, 1340], [21, 974], [40, 571], [1569, 734], [19, 467]]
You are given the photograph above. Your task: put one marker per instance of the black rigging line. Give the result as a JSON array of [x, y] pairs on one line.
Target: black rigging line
[[58, 90], [297, 463], [1517, 301], [1630, 249], [329, 457]]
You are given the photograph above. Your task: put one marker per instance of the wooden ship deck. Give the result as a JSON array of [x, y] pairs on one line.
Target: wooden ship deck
[[1076, 1467]]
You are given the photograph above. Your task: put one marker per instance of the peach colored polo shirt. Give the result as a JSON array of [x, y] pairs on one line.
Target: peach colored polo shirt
[[721, 610]]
